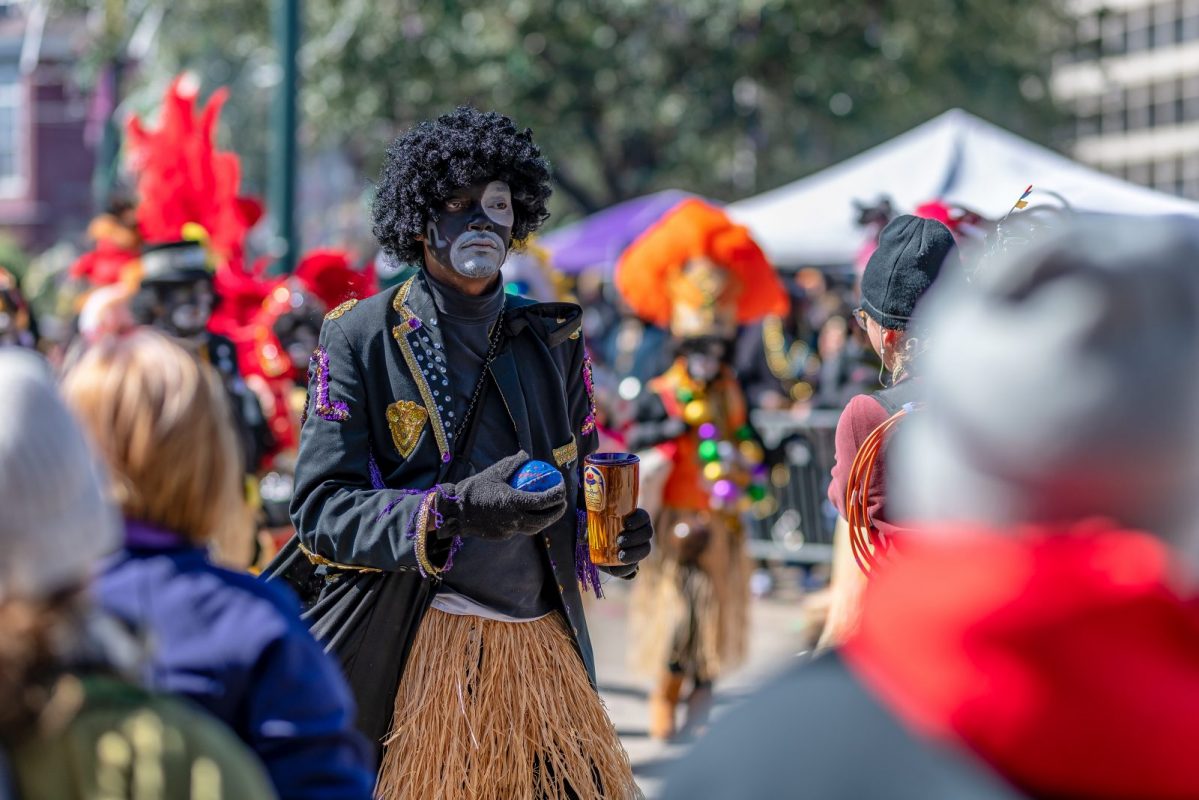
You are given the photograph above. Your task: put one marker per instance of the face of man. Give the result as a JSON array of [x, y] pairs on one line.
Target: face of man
[[473, 230], [705, 357], [299, 333], [185, 308]]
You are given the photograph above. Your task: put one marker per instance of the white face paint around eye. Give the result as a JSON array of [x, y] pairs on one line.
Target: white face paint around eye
[[497, 204]]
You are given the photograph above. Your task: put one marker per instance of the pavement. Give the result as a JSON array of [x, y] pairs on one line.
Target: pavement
[[777, 636]]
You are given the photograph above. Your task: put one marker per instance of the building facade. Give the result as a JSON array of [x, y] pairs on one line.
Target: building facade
[[1131, 81], [46, 161]]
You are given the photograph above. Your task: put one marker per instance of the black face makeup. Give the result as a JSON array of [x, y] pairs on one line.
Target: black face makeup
[[185, 308], [705, 356], [299, 333], [474, 230]]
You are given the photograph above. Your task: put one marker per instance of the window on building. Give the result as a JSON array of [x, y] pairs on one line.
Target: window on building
[[1086, 117], [1188, 20], [1165, 175], [1140, 173], [1190, 99], [1087, 39], [1165, 109], [1138, 27], [1163, 33], [1113, 34], [1114, 118], [11, 172], [1139, 102], [1190, 177]]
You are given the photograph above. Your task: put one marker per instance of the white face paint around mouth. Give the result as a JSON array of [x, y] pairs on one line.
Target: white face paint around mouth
[[478, 254]]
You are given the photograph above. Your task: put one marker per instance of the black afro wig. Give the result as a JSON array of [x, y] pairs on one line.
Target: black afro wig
[[430, 161]]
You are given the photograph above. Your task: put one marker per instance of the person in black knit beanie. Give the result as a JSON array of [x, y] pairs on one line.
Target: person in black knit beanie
[[912, 252]]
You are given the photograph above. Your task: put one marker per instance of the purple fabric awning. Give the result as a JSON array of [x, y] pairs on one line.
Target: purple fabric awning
[[598, 240]]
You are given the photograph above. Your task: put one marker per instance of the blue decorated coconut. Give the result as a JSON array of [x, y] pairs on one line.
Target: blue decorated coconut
[[536, 476]]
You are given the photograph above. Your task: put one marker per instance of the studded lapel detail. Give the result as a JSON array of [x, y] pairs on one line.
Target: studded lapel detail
[[424, 352]]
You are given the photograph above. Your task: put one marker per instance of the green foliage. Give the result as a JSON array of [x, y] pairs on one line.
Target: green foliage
[[12, 256], [627, 96]]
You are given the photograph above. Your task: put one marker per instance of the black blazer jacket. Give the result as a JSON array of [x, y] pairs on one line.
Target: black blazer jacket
[[378, 430]]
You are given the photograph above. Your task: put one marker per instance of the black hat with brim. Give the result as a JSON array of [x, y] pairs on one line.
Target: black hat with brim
[[183, 261]]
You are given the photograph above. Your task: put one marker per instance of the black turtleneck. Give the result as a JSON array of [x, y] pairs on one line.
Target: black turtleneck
[[509, 577]]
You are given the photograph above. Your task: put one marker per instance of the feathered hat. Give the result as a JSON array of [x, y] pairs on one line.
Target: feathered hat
[[699, 274], [187, 189]]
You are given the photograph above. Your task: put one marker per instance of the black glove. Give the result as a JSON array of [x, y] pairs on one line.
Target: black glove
[[634, 543], [488, 508]]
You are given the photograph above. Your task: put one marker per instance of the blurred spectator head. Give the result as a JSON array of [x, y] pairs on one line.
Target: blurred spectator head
[[1063, 384], [160, 419], [55, 526], [56, 521], [1043, 211], [911, 254], [106, 312]]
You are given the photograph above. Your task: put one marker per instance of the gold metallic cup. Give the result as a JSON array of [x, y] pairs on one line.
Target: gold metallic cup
[[610, 485]]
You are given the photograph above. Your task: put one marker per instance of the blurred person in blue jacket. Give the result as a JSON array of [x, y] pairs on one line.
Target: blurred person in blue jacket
[[72, 724], [226, 641]]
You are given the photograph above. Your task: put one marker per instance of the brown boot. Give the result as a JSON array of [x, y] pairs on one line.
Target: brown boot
[[699, 706], [662, 702]]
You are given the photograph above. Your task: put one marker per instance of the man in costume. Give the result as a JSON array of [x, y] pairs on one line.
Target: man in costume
[[702, 276], [175, 295], [452, 598]]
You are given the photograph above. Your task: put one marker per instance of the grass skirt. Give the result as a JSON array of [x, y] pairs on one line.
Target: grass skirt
[[491, 710], [692, 609]]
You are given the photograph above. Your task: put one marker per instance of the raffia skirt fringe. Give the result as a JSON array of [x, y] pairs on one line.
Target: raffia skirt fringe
[[491, 710], [691, 613]]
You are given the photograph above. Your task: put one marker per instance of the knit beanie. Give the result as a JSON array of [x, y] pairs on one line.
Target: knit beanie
[[911, 252], [55, 519], [1062, 384]]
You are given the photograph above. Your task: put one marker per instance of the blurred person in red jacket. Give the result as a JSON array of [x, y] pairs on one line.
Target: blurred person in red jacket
[[1038, 634]]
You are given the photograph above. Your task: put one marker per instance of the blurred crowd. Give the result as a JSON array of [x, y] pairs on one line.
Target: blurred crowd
[[1013, 484]]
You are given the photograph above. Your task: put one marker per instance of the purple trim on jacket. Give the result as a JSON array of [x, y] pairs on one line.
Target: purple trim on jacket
[[146, 536]]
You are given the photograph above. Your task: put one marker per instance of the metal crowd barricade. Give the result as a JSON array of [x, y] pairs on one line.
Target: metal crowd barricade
[[800, 452]]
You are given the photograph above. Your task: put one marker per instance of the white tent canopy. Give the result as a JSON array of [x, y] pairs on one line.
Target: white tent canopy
[[955, 157]]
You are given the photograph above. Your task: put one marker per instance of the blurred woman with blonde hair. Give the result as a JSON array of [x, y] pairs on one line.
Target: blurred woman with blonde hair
[[232, 644]]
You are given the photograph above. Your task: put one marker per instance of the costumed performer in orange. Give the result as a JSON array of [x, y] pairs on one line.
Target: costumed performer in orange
[[700, 275]]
